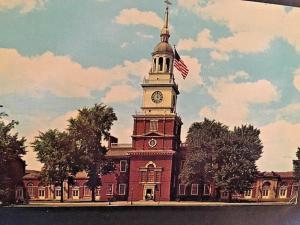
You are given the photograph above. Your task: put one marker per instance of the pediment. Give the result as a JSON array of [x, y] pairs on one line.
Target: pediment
[[153, 133]]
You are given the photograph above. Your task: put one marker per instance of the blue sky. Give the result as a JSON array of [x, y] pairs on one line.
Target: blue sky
[[243, 58]]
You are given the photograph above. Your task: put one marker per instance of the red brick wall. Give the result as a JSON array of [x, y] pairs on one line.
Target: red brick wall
[[136, 188]]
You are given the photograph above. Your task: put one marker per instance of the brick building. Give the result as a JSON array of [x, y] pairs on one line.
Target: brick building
[[148, 168]]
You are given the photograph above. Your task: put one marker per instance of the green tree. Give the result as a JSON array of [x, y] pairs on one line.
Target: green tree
[[236, 161], [204, 140], [11, 149], [88, 130], [54, 150], [220, 156]]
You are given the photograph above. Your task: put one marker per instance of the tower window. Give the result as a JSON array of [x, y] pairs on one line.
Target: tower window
[[160, 63], [168, 64], [154, 64], [153, 125], [123, 165]]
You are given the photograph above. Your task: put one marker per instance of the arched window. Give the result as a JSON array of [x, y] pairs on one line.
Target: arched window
[[168, 64], [150, 173], [154, 65], [266, 189], [160, 63], [30, 189]]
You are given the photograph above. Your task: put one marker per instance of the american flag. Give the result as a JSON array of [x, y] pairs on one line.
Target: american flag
[[180, 66]]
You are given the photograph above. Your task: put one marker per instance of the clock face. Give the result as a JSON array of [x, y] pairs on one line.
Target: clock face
[[152, 143], [157, 97]]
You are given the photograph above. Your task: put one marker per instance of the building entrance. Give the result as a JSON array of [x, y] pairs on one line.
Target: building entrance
[[149, 193]]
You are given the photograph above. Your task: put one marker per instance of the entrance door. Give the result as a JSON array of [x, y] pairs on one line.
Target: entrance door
[[149, 193]]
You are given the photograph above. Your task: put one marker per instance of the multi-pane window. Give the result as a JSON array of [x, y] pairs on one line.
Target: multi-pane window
[[57, 192], [248, 193], [30, 189], [265, 190], [294, 190], [98, 191], [75, 192], [86, 191], [157, 176], [41, 192], [109, 190], [181, 189], [143, 176], [150, 174], [206, 189], [19, 193], [123, 165], [283, 191], [153, 125], [194, 189], [122, 189]]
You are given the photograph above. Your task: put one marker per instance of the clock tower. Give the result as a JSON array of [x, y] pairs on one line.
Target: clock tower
[[157, 128]]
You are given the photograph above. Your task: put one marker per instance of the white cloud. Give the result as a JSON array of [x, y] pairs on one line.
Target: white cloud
[[121, 93], [280, 140], [194, 77], [252, 25], [60, 75], [243, 42], [297, 79], [146, 36], [233, 99], [24, 5], [219, 56], [135, 16]]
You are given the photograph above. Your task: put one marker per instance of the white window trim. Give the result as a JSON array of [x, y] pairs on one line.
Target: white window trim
[[197, 185], [55, 190], [246, 192], [19, 193], [75, 192], [123, 171], [43, 191], [285, 189], [112, 189], [88, 190], [179, 189], [124, 185], [206, 194], [265, 190]]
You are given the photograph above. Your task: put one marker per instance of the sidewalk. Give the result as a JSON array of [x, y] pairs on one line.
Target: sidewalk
[[143, 203]]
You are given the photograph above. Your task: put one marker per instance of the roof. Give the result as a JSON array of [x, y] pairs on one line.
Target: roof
[[32, 174], [118, 152], [288, 174], [81, 174], [163, 47]]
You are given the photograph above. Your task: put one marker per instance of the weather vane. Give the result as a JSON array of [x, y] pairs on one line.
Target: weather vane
[[168, 2]]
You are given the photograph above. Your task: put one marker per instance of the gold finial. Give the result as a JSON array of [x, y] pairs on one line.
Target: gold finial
[[165, 31]]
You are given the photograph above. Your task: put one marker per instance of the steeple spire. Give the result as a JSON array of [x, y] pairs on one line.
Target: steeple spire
[[165, 34]]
